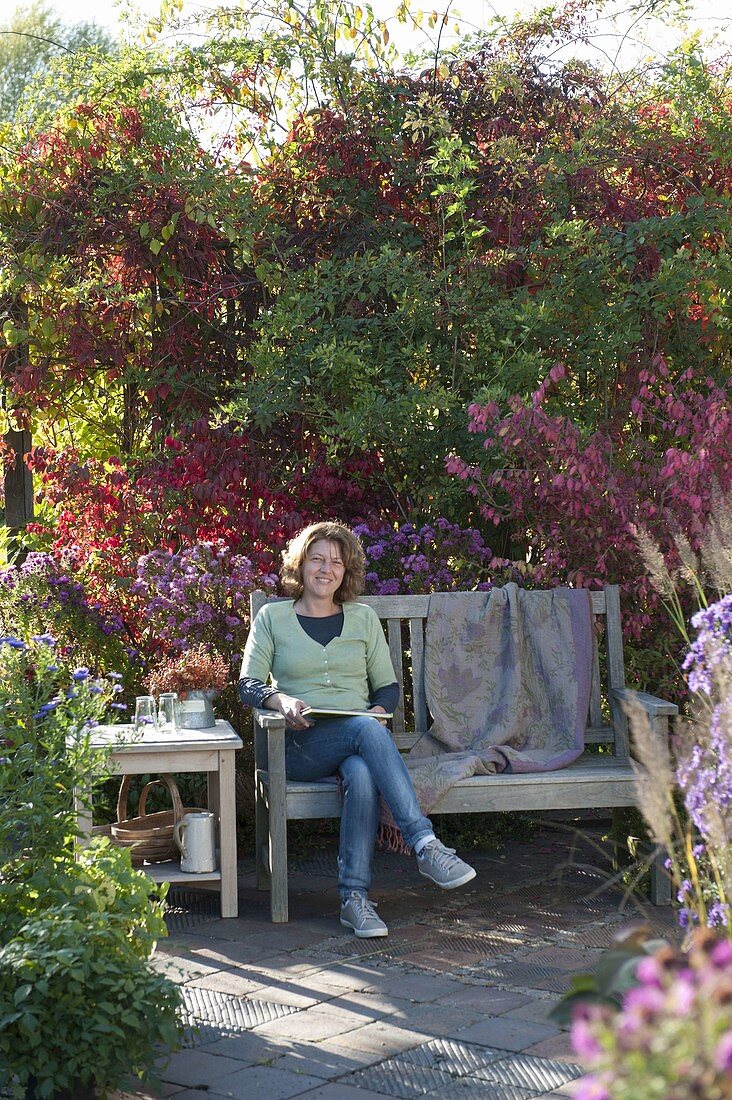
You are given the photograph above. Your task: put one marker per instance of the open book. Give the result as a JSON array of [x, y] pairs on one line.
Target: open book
[[332, 712]]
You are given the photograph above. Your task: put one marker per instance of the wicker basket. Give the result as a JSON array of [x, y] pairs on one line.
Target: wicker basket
[[150, 836]]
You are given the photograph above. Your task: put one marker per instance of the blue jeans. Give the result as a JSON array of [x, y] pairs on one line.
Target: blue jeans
[[363, 753]]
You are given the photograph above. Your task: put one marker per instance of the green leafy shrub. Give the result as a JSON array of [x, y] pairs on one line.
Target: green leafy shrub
[[80, 1004]]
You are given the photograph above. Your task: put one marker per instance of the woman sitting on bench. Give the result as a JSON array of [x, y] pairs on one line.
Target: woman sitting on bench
[[323, 651]]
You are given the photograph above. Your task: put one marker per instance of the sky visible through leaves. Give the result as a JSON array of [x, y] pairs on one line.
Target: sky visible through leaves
[[472, 15]]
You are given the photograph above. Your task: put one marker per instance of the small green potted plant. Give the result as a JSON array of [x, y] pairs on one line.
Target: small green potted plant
[[197, 676], [81, 1008]]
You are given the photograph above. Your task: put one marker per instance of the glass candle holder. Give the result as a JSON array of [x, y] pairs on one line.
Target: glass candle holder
[[145, 714], [168, 712]]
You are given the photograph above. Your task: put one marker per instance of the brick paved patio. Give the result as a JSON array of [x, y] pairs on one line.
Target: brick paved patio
[[454, 1003]]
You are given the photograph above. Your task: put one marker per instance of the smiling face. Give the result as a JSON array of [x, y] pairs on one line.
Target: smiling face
[[345, 553], [323, 570]]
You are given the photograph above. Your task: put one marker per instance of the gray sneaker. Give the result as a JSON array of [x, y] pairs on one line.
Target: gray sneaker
[[359, 914], [442, 866]]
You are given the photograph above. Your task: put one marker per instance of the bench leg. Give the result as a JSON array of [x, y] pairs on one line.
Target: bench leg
[[261, 834], [227, 835], [660, 881], [278, 828]]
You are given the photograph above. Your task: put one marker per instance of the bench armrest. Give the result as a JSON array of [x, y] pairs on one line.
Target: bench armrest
[[269, 741], [653, 706], [268, 719]]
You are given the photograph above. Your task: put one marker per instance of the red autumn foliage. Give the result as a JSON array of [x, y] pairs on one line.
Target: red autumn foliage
[[205, 484], [582, 497]]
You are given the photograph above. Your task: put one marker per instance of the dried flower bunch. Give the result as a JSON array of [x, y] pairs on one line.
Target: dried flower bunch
[[198, 669]]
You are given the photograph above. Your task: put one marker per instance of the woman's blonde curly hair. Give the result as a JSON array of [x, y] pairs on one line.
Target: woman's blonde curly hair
[[352, 554]]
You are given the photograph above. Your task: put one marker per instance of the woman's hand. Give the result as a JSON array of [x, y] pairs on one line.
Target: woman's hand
[[376, 711], [291, 710]]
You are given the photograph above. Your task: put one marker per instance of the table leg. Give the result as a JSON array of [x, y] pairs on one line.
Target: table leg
[[84, 814], [227, 834]]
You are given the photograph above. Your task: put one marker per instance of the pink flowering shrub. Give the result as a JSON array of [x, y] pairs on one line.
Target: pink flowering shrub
[[670, 1036], [581, 497]]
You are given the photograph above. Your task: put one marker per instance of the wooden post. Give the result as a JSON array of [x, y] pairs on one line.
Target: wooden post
[[17, 479], [18, 484]]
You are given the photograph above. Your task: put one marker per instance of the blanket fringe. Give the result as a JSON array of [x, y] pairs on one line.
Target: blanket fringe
[[389, 839]]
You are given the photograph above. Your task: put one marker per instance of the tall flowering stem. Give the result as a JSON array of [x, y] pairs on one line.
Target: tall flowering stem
[[48, 710], [698, 841], [705, 751]]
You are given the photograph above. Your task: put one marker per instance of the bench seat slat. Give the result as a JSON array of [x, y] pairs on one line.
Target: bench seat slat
[[602, 735], [591, 782]]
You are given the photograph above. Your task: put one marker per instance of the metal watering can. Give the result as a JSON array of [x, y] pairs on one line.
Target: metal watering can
[[195, 836]]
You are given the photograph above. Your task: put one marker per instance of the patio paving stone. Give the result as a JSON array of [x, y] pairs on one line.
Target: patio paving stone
[[316, 1024], [489, 1000], [265, 1081], [197, 1068], [508, 1034]]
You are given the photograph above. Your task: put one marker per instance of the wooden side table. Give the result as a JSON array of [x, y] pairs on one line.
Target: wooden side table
[[208, 750]]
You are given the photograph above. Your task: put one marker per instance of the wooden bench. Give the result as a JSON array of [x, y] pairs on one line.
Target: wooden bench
[[602, 780]]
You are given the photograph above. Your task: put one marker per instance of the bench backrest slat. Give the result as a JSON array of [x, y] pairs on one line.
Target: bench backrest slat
[[595, 688], [416, 652], [394, 632], [407, 654], [615, 667]]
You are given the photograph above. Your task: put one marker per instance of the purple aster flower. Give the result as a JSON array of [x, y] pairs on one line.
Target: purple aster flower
[[80, 675], [649, 971], [718, 915], [584, 1041], [45, 709]]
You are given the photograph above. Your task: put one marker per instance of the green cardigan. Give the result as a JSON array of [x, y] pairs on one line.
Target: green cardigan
[[342, 674]]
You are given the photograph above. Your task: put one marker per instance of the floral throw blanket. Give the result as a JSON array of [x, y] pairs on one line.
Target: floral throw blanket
[[507, 678]]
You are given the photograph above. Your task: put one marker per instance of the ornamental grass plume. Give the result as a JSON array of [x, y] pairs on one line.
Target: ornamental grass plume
[[653, 779], [696, 828], [198, 669], [716, 546]]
